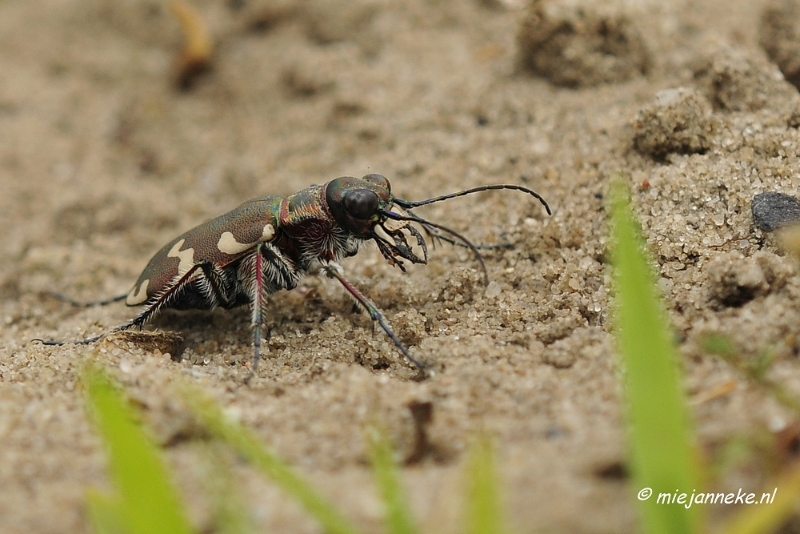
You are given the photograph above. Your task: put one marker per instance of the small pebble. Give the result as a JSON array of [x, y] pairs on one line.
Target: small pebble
[[773, 210]]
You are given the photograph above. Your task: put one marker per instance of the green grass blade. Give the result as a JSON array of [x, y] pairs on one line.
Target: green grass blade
[[483, 510], [398, 516], [105, 515], [148, 503], [248, 445], [660, 435]]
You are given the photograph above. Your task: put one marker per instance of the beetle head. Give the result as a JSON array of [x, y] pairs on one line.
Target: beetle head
[[365, 208], [360, 206]]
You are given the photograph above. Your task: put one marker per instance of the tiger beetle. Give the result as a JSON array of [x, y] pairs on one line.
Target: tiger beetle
[[268, 244]]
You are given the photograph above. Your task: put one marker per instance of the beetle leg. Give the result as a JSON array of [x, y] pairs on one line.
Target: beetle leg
[[257, 300], [157, 303], [390, 256], [216, 283], [165, 299], [279, 273], [334, 270], [80, 304]]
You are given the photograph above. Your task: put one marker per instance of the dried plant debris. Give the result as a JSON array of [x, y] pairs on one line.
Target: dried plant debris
[[581, 43], [165, 342], [773, 210], [735, 79], [779, 35], [679, 121], [195, 58]]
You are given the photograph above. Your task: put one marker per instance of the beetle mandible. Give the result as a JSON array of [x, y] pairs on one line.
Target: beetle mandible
[[269, 243]]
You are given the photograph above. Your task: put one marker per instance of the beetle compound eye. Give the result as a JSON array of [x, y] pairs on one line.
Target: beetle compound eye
[[361, 203]]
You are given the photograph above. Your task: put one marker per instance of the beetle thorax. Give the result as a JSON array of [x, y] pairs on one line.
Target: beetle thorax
[[320, 242], [312, 231]]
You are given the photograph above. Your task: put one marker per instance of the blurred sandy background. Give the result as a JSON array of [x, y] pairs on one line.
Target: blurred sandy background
[[103, 159]]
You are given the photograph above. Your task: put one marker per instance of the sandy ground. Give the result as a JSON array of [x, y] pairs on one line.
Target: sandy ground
[[103, 160]]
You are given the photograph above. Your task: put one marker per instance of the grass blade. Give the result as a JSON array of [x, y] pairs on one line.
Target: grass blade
[[105, 515], [483, 511], [248, 445], [149, 504], [660, 436], [398, 515]]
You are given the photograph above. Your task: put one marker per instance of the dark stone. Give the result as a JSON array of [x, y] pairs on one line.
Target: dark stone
[[772, 210]]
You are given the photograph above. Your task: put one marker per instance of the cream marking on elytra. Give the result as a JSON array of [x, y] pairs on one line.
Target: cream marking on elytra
[[229, 245], [185, 257], [268, 233], [138, 294]]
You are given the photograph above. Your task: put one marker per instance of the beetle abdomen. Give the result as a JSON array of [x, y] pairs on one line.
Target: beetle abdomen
[[219, 242]]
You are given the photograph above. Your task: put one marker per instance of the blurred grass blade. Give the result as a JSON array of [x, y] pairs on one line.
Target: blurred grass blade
[[229, 513], [483, 511], [149, 504], [105, 515], [763, 519], [248, 445], [398, 516], [660, 437]]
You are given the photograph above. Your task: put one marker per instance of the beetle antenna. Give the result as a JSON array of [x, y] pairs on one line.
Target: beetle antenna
[[416, 218], [436, 236], [415, 204]]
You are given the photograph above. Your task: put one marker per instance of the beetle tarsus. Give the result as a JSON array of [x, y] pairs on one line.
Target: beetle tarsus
[[258, 311]]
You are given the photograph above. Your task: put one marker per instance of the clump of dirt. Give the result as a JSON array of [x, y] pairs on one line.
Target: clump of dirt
[[680, 121], [582, 43], [735, 280], [779, 35], [741, 80]]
